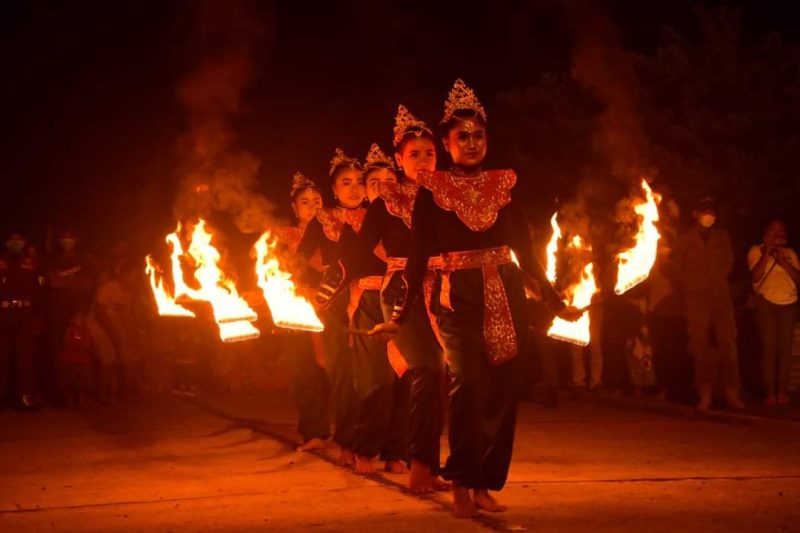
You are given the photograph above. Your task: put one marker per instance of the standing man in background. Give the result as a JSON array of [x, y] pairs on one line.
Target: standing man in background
[[704, 259]]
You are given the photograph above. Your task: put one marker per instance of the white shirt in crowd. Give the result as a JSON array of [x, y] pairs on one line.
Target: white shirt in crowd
[[778, 287]]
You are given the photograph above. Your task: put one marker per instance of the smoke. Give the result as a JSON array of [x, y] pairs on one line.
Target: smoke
[[602, 209], [215, 173], [601, 64]]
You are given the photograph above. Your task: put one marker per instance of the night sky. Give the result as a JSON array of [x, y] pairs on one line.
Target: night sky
[[92, 120]]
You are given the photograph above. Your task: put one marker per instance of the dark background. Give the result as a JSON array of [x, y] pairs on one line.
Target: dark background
[[91, 119]]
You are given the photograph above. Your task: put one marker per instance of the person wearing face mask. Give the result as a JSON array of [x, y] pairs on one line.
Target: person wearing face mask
[[776, 272], [20, 298], [71, 280], [704, 259]]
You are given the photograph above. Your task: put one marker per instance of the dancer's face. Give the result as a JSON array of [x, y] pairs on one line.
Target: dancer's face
[[466, 143], [348, 188], [418, 153], [306, 204], [375, 177]]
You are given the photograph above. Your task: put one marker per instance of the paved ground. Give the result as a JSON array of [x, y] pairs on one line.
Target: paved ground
[[226, 463]]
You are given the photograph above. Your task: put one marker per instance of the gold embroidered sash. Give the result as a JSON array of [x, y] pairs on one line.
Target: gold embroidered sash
[[499, 336]]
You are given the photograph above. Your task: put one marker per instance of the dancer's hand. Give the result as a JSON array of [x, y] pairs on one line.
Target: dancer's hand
[[386, 329], [533, 290], [571, 314]]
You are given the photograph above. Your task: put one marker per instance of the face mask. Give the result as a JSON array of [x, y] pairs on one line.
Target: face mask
[[15, 245], [68, 244], [707, 220]]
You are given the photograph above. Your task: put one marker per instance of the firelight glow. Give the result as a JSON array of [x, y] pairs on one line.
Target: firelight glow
[[289, 310], [231, 312], [577, 295], [635, 263]]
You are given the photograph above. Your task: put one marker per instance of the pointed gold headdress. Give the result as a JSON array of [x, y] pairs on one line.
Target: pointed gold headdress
[[300, 182], [377, 159], [406, 123], [462, 97], [340, 158]]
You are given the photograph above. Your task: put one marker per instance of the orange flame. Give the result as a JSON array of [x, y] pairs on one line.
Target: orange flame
[[552, 248], [634, 264], [577, 295], [287, 308], [165, 301], [231, 312]]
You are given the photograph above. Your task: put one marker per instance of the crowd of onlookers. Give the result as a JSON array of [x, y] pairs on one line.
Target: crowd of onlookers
[[68, 322], [680, 335], [80, 328]]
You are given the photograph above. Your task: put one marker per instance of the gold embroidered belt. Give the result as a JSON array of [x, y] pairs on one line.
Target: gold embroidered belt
[[394, 264], [357, 288], [435, 263], [499, 336]]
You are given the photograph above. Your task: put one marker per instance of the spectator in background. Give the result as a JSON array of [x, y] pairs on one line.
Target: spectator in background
[[595, 354], [71, 279], [111, 328], [20, 309], [704, 259], [776, 272], [671, 362], [74, 362]]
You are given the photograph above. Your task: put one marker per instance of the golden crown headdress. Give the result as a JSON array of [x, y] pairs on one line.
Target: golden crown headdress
[[405, 123], [340, 158], [377, 159], [301, 182], [462, 97]]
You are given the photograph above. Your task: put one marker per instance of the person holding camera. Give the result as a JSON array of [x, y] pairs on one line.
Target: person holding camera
[[776, 272]]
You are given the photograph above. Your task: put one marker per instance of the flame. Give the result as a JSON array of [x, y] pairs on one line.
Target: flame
[[231, 312], [552, 248], [287, 308], [634, 264], [580, 296], [165, 302], [577, 295]]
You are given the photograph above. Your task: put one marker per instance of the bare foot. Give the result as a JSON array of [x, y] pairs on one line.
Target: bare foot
[[396, 467], [484, 500], [421, 480], [313, 444], [440, 485], [365, 465], [463, 507], [347, 457]]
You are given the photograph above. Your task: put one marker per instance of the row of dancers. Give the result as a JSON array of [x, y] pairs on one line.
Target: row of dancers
[[423, 304]]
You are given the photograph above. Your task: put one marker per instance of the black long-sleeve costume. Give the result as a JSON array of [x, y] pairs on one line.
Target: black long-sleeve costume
[[416, 340], [475, 214], [323, 234], [381, 395], [436, 231]]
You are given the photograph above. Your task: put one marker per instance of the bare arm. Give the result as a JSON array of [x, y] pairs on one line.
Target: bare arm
[[784, 259], [759, 270]]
